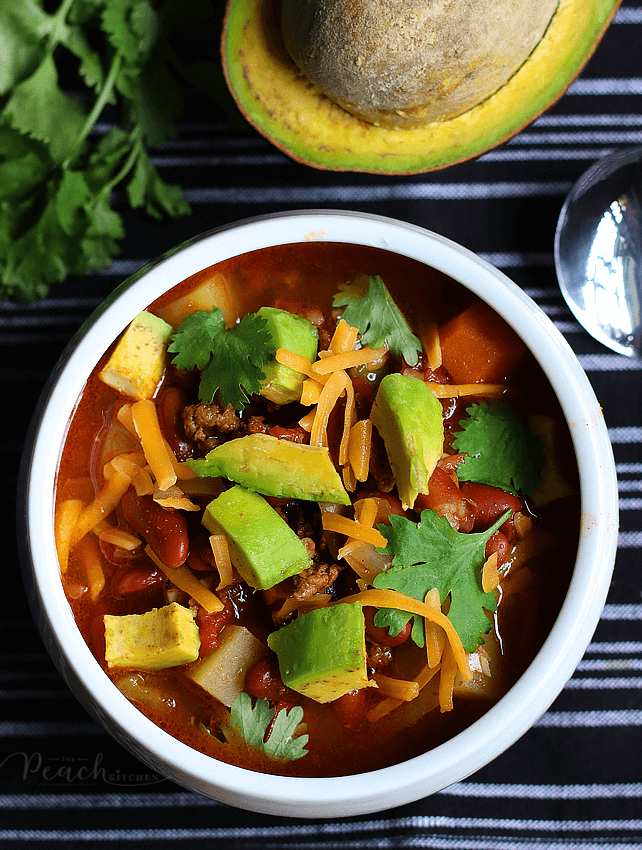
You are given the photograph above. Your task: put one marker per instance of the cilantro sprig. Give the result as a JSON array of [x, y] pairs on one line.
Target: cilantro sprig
[[431, 554], [252, 721], [501, 450], [61, 73], [229, 360], [379, 319]]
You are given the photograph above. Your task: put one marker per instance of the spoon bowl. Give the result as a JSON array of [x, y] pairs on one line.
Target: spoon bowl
[[598, 251]]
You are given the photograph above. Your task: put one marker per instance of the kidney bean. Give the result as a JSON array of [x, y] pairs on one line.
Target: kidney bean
[[165, 531], [383, 636], [295, 434], [490, 503], [136, 579], [499, 544], [446, 499], [120, 557], [200, 556], [171, 404], [263, 680], [210, 626], [394, 503], [351, 707]]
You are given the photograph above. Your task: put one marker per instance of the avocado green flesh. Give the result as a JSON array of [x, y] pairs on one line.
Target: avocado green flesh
[[263, 547], [322, 653], [288, 110], [282, 384], [409, 419], [274, 467]]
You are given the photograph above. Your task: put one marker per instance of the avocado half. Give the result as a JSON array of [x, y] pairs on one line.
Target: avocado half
[[293, 114]]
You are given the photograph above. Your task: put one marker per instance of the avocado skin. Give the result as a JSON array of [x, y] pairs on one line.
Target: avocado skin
[[263, 547], [274, 467], [322, 653], [409, 419], [278, 100], [282, 384]]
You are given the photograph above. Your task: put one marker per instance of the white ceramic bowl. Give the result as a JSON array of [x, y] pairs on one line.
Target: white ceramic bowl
[[447, 763]]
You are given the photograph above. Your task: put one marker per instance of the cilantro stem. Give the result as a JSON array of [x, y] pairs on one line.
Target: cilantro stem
[[58, 21], [135, 152], [97, 109]]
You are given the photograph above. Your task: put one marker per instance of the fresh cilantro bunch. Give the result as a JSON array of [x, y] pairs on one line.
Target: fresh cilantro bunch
[[59, 72], [229, 360], [430, 554], [501, 450], [252, 723], [379, 319]]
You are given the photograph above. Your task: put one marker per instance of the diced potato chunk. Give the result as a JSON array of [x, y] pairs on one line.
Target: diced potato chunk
[[162, 637], [213, 292], [222, 672], [486, 667], [138, 361]]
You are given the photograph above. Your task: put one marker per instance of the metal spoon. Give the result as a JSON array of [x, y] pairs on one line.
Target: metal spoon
[[598, 251]]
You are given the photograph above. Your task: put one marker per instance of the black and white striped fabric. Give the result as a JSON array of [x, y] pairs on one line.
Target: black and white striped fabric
[[575, 779]]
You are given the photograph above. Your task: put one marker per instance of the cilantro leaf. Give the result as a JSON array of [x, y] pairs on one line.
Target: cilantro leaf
[[230, 360], [432, 554], [379, 319], [192, 342], [252, 722], [501, 450], [58, 177]]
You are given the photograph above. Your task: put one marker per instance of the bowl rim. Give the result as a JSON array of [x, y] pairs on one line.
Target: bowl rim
[[526, 701]]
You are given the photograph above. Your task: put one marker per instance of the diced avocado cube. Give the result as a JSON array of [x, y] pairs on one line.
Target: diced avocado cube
[[275, 467], [322, 654], [409, 419], [136, 365], [263, 547], [294, 333], [222, 672], [162, 637]]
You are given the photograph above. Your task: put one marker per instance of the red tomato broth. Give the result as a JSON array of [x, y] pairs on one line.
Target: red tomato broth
[[340, 739]]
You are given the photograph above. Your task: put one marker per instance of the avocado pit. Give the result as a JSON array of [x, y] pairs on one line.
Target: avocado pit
[[405, 63]]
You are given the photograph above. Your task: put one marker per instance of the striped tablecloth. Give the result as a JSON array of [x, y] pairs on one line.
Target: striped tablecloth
[[575, 779]]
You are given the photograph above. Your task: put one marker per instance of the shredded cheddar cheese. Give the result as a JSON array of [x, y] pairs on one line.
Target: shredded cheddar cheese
[[124, 416], [307, 421], [434, 634], [460, 390], [332, 392], [399, 601], [351, 528], [174, 498], [221, 552], [349, 418], [66, 518], [310, 392], [349, 481], [344, 338], [366, 510], [389, 704], [447, 677], [154, 446], [490, 574], [348, 360], [430, 341], [399, 689], [185, 580], [102, 505], [294, 361], [359, 448], [120, 538]]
